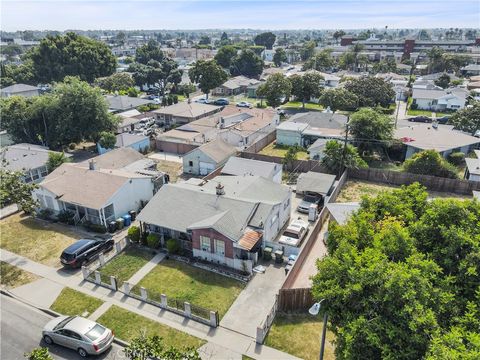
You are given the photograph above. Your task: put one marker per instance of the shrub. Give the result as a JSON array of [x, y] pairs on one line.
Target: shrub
[[95, 227], [40, 353], [72, 146], [134, 233], [45, 214], [261, 106], [169, 100], [414, 106], [164, 101], [153, 241], [175, 99], [143, 237], [66, 217], [456, 158], [430, 162], [172, 246]]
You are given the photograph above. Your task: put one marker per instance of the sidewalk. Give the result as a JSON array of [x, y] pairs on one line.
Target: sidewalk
[[221, 337], [140, 274]]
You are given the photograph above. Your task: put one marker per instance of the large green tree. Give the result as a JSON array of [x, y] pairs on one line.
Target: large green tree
[[370, 129], [72, 112], [71, 55], [339, 99], [115, 82], [149, 51], [467, 119], [336, 157], [55, 159], [371, 91], [430, 162], [266, 39], [247, 63], [13, 190], [279, 57], [275, 89], [225, 56], [307, 86], [401, 278], [208, 75], [321, 61]]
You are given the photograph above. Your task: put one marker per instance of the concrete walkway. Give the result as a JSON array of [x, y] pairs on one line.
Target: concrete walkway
[[254, 303], [43, 292], [100, 311], [222, 337], [139, 275], [8, 210]]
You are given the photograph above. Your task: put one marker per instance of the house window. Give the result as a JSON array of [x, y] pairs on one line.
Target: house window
[[44, 171], [35, 174], [41, 200], [219, 247], [49, 202], [190, 163], [205, 244]]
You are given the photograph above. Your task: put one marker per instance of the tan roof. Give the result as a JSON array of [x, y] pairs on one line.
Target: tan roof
[[426, 137], [115, 159], [239, 81], [188, 110], [217, 150], [249, 239], [89, 188]]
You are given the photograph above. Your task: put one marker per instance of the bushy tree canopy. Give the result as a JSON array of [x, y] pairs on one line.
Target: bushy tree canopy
[[467, 119], [371, 91], [266, 39], [207, 74], [149, 51], [322, 61], [13, 190], [247, 63], [401, 278], [336, 157], [430, 162], [339, 99], [55, 159], [280, 56], [115, 82], [276, 88], [307, 86], [370, 129], [225, 56]]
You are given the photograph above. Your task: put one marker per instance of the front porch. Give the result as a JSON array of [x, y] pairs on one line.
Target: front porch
[[83, 214]]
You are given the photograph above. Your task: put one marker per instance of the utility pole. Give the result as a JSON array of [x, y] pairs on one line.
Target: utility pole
[[398, 109], [344, 148]]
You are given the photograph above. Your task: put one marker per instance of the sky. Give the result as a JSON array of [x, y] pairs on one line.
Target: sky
[[236, 14]]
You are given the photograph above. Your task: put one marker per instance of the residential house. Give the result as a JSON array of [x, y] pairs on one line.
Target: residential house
[[19, 90], [135, 141], [101, 189], [119, 103], [341, 212], [248, 167], [133, 119], [439, 100], [315, 182], [28, 158], [315, 151], [304, 129], [206, 158], [472, 172], [330, 80], [267, 55], [441, 138], [234, 86], [224, 220], [184, 113], [471, 69]]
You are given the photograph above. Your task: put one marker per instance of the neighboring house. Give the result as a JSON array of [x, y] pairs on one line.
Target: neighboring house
[[315, 182], [132, 120], [471, 69], [184, 112], [206, 158], [315, 151], [238, 126], [19, 90], [137, 142], [224, 220], [243, 167], [119, 103], [441, 138], [472, 172], [341, 212], [92, 194], [304, 129], [439, 100], [27, 158], [234, 86], [330, 80], [267, 55]]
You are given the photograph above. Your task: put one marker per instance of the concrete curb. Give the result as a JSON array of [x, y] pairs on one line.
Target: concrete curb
[[52, 313]]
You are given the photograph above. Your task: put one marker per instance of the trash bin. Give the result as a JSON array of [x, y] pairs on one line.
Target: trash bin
[[133, 214], [112, 226], [120, 222], [279, 256], [267, 253], [127, 220]]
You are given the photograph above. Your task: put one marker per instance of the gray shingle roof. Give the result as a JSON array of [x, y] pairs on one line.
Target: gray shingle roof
[[241, 166], [115, 159], [320, 120], [122, 102], [18, 88], [315, 182], [25, 156], [341, 212], [218, 150]]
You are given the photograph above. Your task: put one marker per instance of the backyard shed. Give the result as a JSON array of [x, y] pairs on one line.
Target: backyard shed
[[314, 182]]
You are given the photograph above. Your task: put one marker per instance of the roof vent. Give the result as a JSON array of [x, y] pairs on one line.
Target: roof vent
[[220, 190]]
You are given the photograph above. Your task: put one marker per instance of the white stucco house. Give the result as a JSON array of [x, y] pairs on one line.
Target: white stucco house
[[472, 172], [206, 158], [439, 100], [242, 167]]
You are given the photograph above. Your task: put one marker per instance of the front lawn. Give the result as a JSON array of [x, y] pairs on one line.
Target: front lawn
[[12, 276], [125, 265], [426, 113], [300, 335], [197, 286], [72, 302], [295, 105], [128, 326], [37, 240], [280, 150]]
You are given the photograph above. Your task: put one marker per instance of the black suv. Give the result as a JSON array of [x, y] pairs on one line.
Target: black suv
[[421, 118], [83, 251]]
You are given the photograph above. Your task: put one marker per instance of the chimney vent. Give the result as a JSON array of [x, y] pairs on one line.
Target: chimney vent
[[220, 189], [92, 165]]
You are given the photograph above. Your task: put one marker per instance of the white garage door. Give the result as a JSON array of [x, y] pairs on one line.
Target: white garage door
[[206, 168]]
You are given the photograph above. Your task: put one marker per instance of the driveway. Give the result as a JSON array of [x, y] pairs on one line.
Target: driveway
[[166, 157], [255, 301]]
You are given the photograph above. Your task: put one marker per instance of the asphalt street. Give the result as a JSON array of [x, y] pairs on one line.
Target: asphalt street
[[21, 331]]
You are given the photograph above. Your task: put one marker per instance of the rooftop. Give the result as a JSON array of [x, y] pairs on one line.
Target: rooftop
[[188, 110], [341, 212], [239, 81], [18, 88], [25, 156], [123, 102], [473, 165], [240, 166], [115, 159], [315, 182], [217, 150]]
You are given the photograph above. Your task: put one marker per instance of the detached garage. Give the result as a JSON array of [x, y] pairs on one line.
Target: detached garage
[[206, 158]]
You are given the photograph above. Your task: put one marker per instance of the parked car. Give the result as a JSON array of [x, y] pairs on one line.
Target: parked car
[[309, 199], [443, 119], [420, 118], [83, 251], [221, 102], [152, 91], [294, 233], [244, 104], [202, 101], [82, 335]]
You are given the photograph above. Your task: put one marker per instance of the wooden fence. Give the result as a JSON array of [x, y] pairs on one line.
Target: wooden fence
[[433, 183], [296, 165], [262, 142], [295, 299]]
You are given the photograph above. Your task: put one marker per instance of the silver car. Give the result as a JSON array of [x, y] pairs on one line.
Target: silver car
[[82, 335]]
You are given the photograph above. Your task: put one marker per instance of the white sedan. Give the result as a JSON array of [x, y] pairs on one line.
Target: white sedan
[[244, 104], [294, 233]]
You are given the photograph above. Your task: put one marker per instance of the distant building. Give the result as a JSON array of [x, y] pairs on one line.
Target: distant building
[[472, 172], [118, 103], [184, 112], [249, 167], [234, 86], [206, 158], [439, 100], [19, 90]]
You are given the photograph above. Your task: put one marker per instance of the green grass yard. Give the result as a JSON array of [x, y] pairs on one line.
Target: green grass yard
[[12, 276], [295, 105], [125, 265], [300, 335], [280, 151], [426, 113], [72, 302], [187, 283], [128, 326]]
